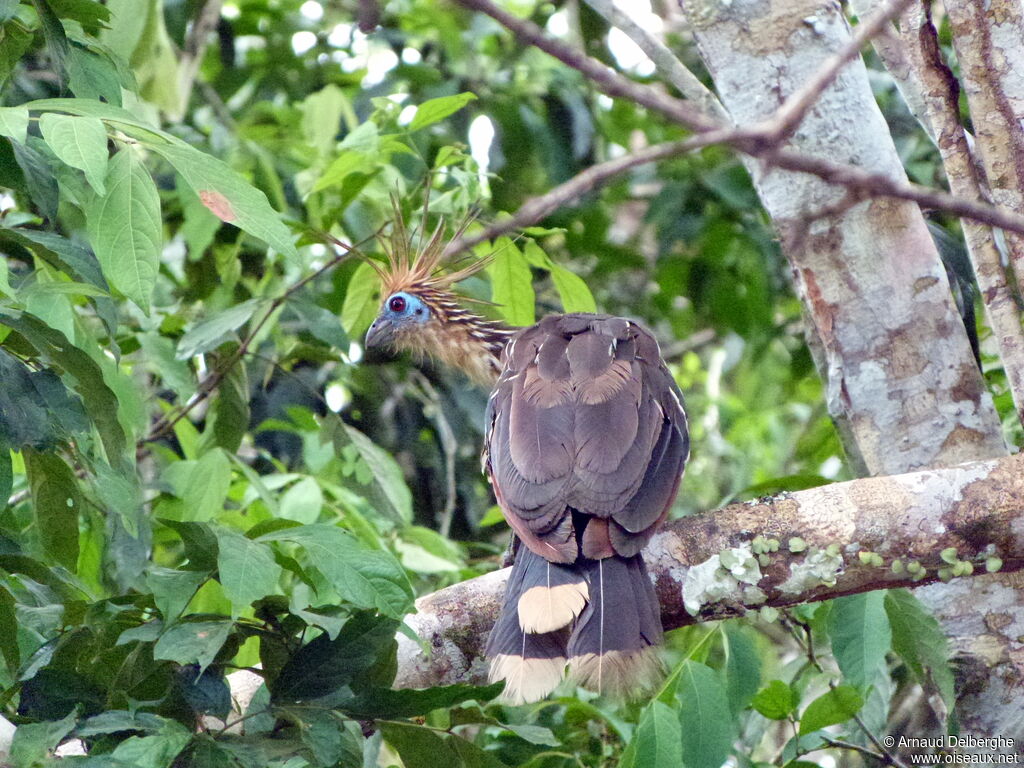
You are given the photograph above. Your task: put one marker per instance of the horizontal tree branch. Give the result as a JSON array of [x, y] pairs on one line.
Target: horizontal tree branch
[[976, 508]]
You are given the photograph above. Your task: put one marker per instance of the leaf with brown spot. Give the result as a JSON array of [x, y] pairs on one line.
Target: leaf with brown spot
[[219, 205]]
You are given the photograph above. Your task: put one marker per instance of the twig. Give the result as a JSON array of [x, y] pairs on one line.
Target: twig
[[840, 744], [209, 384], [434, 410], [610, 81], [666, 62], [195, 46], [757, 141]]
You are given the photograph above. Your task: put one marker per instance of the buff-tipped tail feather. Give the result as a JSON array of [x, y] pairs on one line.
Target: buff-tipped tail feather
[[599, 617]]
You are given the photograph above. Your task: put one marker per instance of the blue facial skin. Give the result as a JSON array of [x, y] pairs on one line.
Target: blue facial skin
[[401, 310]]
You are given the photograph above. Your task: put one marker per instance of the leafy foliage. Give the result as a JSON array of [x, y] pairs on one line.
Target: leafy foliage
[[204, 474]]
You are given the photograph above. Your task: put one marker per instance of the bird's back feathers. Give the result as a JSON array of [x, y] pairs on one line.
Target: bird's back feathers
[[585, 447]]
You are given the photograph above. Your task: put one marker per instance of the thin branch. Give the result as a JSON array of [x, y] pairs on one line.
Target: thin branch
[[976, 508], [195, 46], [666, 62], [210, 383], [760, 141], [610, 81]]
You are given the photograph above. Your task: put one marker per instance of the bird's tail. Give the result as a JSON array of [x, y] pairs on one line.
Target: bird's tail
[[527, 646], [599, 616], [613, 646]]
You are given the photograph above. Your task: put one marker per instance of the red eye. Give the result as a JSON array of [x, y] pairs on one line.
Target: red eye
[[396, 304]]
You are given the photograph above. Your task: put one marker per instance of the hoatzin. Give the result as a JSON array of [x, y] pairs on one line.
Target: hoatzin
[[586, 440]]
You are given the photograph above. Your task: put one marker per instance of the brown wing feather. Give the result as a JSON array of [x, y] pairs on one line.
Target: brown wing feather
[[585, 417]]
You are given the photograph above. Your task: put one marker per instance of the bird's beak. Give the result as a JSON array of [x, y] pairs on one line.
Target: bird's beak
[[381, 333]]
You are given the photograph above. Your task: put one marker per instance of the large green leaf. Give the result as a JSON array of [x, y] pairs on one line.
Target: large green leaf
[[230, 197], [200, 486], [33, 742], [657, 740], [125, 228], [56, 501], [378, 703], [776, 701], [192, 642], [362, 299], [36, 409], [707, 723], [14, 123], [435, 110], [836, 706], [81, 142], [323, 666], [246, 569], [384, 480], [212, 331], [85, 376], [859, 630], [155, 751], [512, 283], [367, 578], [920, 642]]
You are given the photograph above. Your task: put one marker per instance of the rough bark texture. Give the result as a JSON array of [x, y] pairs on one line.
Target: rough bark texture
[[939, 91], [901, 381], [975, 507], [989, 42]]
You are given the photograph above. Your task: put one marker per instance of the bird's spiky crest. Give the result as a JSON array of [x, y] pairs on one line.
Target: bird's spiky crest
[[421, 269]]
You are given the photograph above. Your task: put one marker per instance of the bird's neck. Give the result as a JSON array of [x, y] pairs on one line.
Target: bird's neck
[[470, 343]]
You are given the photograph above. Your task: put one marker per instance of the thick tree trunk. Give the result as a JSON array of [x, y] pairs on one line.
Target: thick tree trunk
[[977, 508], [901, 380]]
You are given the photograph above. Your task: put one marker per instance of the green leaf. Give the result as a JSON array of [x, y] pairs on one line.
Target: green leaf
[[743, 665], [387, 703], [512, 283], [860, 634], [81, 142], [38, 177], [776, 701], [367, 578], [172, 589], [229, 413], [33, 742], [36, 409], [657, 741], [92, 75], [125, 228], [14, 123], [321, 117], [74, 260], [348, 162], [836, 706], [246, 569], [386, 484], [323, 666], [420, 747], [85, 376], [707, 723], [9, 633], [200, 485], [572, 290], [230, 197], [200, 543], [919, 640], [193, 642], [56, 501], [215, 330], [303, 501], [115, 720], [435, 110], [156, 751], [362, 298]]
